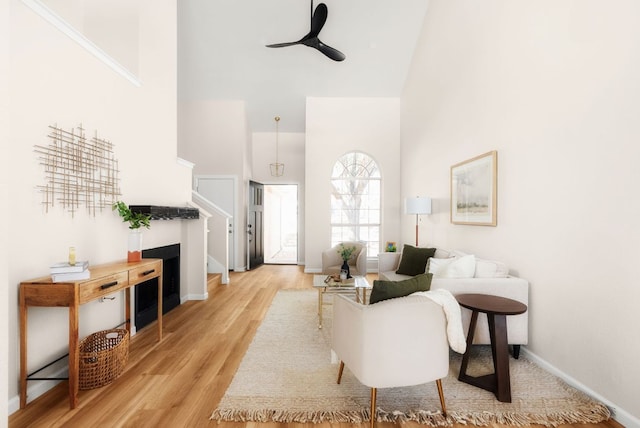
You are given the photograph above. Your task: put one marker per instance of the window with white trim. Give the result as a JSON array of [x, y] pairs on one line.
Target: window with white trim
[[355, 201]]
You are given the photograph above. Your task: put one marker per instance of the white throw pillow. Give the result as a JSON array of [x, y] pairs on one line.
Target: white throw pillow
[[434, 264], [442, 253], [491, 269], [459, 267]]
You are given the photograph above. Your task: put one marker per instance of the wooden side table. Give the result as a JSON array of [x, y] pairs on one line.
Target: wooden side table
[[497, 308], [105, 279]]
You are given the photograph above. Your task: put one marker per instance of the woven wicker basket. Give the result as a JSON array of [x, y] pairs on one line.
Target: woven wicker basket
[[103, 356]]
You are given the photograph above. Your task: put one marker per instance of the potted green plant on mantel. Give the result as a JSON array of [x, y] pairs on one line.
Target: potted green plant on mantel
[[346, 252], [136, 221]]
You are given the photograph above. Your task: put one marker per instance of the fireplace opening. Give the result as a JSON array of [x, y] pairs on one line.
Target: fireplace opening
[[146, 293]]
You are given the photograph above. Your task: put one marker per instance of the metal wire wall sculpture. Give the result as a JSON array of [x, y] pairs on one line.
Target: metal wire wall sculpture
[[79, 172]]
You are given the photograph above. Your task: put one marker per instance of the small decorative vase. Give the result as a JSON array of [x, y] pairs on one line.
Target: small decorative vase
[[345, 267], [134, 251]]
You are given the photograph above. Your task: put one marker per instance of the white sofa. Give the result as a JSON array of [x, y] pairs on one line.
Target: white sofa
[[488, 277]]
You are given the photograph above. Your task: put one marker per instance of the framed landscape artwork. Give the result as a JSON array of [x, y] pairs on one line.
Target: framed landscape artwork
[[473, 190]]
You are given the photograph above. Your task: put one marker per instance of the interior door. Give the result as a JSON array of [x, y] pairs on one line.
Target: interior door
[[255, 225], [221, 191]]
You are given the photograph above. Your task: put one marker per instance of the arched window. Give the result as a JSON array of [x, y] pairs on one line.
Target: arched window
[[355, 201]]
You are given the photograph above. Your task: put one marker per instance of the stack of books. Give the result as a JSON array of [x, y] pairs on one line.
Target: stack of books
[[62, 272]]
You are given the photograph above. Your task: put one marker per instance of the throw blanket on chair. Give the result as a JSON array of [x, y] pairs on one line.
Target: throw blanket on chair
[[455, 333]]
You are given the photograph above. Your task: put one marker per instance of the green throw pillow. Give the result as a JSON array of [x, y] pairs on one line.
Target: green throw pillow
[[383, 290], [414, 260]]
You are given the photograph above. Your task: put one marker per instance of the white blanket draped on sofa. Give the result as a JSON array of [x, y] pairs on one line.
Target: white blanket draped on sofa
[[451, 308]]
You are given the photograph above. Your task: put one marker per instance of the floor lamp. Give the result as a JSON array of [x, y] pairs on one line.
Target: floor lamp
[[418, 205]]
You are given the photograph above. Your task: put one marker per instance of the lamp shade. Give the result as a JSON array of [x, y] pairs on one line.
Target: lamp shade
[[417, 205]]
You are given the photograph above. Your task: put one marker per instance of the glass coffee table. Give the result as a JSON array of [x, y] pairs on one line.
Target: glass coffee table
[[358, 285]]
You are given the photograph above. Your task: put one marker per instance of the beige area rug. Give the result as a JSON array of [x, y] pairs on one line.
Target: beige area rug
[[287, 376]]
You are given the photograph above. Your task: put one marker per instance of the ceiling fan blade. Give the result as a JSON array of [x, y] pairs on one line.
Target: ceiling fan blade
[[318, 20], [282, 45], [332, 53]]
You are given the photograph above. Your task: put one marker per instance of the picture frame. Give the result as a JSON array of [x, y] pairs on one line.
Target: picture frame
[[390, 247], [474, 190]]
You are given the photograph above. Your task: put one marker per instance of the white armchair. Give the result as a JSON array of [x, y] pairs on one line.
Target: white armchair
[[393, 343], [331, 260]]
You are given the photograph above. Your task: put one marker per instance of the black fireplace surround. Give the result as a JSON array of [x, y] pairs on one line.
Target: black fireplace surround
[[146, 293]]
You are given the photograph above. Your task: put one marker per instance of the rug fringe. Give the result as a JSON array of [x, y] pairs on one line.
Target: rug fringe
[[594, 415], [266, 415]]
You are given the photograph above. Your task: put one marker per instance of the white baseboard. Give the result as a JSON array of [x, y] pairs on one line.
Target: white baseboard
[[36, 388], [620, 415], [204, 296]]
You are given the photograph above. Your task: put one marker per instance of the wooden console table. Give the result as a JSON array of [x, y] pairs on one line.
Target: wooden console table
[[105, 279]]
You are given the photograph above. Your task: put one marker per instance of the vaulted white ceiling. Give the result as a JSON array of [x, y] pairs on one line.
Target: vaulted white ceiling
[[222, 53]]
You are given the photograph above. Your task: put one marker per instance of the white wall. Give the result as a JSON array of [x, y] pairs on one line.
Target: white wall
[[97, 19], [4, 223], [214, 135], [291, 153], [336, 126], [54, 80], [553, 87]]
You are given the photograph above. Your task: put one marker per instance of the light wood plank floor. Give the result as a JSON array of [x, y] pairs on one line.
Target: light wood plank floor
[[179, 382]]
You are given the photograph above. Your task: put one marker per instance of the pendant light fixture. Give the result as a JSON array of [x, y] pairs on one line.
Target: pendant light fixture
[[277, 169]]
